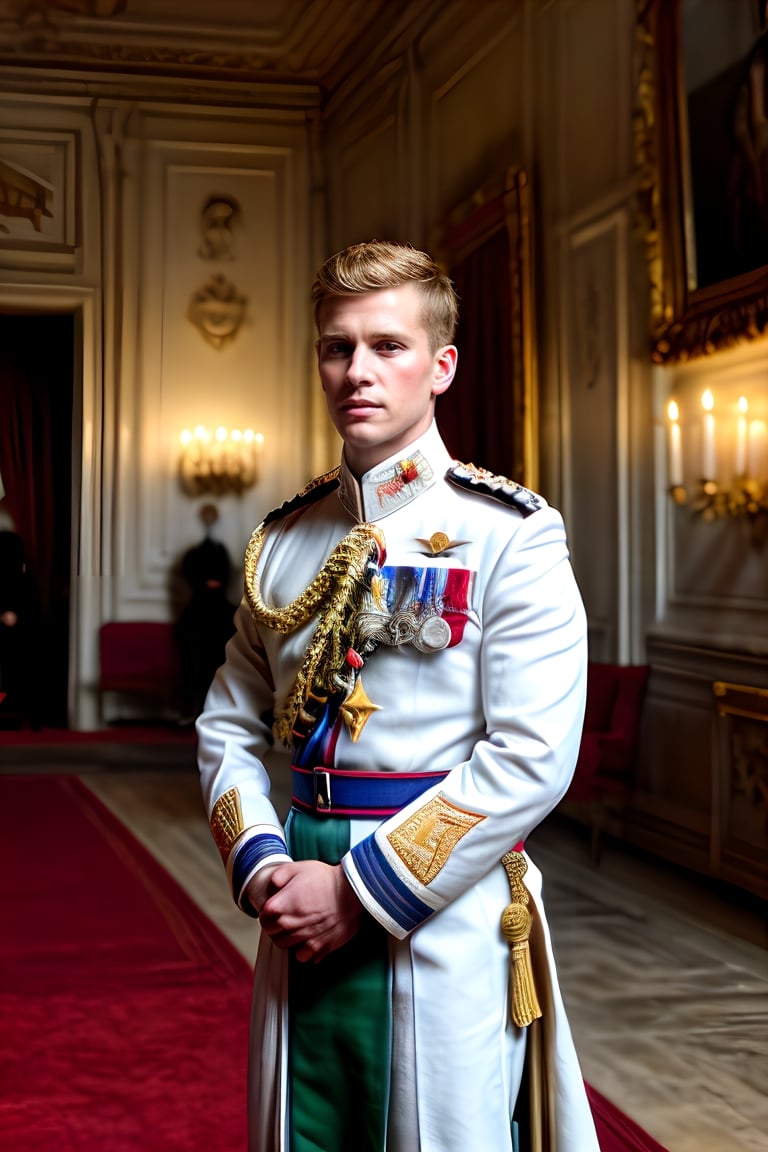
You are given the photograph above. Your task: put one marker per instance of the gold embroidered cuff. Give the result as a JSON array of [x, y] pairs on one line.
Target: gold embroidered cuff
[[227, 821]]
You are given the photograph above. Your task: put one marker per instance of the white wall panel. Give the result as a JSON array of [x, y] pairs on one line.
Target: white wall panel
[[595, 85], [595, 428], [366, 161], [171, 377], [367, 192], [475, 111]]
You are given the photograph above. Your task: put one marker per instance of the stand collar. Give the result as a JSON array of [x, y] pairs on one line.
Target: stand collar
[[395, 481]]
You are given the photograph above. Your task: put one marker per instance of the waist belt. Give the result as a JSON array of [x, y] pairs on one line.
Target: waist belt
[[334, 792]]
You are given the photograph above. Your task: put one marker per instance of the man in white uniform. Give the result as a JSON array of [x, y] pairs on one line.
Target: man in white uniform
[[412, 633]]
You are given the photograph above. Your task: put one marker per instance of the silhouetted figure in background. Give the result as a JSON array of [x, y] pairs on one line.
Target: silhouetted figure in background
[[206, 621], [19, 635]]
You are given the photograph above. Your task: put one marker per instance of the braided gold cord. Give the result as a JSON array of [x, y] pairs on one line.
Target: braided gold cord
[[338, 590], [292, 616]]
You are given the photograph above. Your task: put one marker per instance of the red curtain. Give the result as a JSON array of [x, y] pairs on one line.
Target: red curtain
[[36, 430]]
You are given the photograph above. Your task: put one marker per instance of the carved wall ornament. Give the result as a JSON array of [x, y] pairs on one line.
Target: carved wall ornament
[[217, 223], [217, 310], [691, 314]]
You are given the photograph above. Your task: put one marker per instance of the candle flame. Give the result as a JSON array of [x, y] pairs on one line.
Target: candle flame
[[707, 401], [743, 405], [221, 435], [673, 411]]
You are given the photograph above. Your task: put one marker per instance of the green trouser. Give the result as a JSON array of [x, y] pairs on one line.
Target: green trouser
[[339, 1031]]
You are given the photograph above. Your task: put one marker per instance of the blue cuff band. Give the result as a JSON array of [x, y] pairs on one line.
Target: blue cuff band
[[249, 856], [387, 888]]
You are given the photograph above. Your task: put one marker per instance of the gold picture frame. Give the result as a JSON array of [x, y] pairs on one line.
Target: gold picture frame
[[693, 313]]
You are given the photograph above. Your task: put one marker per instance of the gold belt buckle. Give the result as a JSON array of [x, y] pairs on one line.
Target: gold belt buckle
[[321, 787]]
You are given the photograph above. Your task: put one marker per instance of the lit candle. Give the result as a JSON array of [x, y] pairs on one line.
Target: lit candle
[[741, 437], [675, 447], [221, 454], [202, 438], [708, 465]]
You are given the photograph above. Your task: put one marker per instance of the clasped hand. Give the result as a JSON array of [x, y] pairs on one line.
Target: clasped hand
[[306, 906]]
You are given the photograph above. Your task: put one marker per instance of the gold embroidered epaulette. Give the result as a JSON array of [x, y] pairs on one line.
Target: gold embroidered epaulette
[[485, 483], [313, 491]]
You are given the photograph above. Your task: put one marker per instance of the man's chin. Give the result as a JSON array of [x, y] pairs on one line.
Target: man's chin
[[363, 434]]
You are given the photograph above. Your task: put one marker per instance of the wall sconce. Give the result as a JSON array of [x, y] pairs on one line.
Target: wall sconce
[[733, 464], [219, 462]]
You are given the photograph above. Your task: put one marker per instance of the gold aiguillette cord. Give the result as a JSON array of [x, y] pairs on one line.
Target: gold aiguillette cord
[[516, 923]]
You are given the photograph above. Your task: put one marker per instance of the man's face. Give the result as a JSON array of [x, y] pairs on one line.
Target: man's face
[[379, 374]]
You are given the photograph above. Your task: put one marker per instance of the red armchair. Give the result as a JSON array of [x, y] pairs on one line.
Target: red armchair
[[604, 775], [138, 658]]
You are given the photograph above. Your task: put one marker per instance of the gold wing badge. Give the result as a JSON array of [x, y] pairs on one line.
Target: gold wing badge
[[438, 543]]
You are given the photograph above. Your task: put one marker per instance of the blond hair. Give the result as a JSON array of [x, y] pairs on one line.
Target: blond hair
[[380, 264]]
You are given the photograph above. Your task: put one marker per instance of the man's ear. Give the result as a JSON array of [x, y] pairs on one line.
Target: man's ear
[[446, 360]]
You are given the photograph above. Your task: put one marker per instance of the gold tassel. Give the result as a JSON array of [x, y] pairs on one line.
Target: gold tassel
[[516, 923]]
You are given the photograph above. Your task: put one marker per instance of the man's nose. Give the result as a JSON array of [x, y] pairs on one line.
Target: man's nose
[[359, 366]]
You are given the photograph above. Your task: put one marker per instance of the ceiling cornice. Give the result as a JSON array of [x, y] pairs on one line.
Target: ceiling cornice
[[312, 44]]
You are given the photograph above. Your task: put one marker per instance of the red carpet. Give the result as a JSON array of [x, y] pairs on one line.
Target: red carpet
[[123, 1010], [615, 1131], [120, 734]]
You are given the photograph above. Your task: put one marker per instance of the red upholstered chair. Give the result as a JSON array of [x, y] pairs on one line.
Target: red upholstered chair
[[138, 658], [604, 775]]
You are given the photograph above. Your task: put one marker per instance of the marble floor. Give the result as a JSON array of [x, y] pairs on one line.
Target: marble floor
[[666, 982]]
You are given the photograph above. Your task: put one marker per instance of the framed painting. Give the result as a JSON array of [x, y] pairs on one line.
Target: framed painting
[[701, 131]]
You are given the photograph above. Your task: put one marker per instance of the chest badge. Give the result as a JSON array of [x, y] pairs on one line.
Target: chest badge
[[438, 543], [357, 710]]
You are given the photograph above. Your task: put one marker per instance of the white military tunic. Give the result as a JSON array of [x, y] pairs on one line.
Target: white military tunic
[[499, 709]]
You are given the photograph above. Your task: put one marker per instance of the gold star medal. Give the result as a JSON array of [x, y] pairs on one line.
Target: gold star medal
[[356, 710]]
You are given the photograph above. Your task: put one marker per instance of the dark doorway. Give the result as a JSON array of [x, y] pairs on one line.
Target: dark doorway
[[36, 432]]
